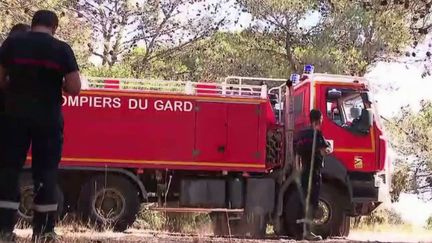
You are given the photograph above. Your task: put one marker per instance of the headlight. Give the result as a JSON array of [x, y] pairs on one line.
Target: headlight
[[379, 180]]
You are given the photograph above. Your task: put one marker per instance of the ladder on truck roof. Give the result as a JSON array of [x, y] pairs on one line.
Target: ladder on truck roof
[[179, 87]]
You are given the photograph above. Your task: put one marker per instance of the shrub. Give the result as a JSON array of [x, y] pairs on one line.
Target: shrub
[[429, 223], [381, 216]]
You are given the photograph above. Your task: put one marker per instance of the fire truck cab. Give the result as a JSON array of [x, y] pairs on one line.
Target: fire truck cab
[[356, 170]]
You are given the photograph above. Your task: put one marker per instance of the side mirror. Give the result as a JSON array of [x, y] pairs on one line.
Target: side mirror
[[334, 94]]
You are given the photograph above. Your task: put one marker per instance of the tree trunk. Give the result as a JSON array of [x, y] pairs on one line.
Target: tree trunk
[[294, 65]]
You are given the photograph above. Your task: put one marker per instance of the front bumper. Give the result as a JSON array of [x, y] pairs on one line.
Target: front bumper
[[369, 190]]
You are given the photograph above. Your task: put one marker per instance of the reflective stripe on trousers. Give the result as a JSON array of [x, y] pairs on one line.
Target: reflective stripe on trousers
[[45, 208], [9, 205]]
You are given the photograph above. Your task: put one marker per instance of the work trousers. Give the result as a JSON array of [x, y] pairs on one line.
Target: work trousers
[[314, 193], [45, 136]]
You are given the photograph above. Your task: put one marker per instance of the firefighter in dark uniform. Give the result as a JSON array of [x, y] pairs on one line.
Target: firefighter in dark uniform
[[15, 30], [304, 147], [34, 69], [19, 29]]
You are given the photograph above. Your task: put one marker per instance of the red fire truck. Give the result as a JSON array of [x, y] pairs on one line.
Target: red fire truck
[[220, 148]]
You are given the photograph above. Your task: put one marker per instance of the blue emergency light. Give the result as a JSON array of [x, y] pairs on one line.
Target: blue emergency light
[[295, 78], [308, 69]]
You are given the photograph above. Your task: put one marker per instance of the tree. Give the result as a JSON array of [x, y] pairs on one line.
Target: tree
[[280, 20], [116, 71], [410, 135], [123, 25], [340, 36], [71, 29], [223, 54]]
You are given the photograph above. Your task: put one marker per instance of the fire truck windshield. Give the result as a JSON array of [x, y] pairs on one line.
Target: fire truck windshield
[[352, 107], [349, 109]]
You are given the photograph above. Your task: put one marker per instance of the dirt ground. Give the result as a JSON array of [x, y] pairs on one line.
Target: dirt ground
[[154, 236]]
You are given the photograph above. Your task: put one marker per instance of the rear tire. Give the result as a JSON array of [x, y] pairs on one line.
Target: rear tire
[[109, 201]]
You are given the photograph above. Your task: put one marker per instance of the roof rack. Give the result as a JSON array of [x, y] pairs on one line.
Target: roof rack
[[232, 86], [179, 87], [324, 77]]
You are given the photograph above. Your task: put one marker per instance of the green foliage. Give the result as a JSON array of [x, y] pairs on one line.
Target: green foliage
[[117, 71], [429, 223], [71, 29], [346, 37], [381, 216], [222, 55], [411, 136], [400, 180]]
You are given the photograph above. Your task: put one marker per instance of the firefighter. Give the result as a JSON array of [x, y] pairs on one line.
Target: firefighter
[[38, 67], [19, 29], [303, 147], [15, 30]]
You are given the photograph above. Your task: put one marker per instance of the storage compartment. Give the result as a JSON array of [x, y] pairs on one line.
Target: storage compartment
[[203, 193], [235, 193]]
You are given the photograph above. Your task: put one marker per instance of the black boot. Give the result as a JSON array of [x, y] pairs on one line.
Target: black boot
[[7, 237], [43, 227]]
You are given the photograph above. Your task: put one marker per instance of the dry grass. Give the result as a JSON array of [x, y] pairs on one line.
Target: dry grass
[[161, 227], [173, 222]]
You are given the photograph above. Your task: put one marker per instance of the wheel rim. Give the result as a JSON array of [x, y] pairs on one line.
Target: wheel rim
[[109, 205], [323, 213], [25, 209]]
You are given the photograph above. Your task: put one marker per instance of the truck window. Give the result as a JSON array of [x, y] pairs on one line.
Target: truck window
[[346, 111], [353, 107], [333, 112]]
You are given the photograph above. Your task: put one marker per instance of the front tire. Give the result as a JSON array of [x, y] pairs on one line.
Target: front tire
[[330, 215], [109, 201], [346, 227]]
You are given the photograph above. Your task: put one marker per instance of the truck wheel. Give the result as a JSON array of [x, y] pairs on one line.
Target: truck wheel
[[346, 226], [109, 202], [330, 215], [25, 210]]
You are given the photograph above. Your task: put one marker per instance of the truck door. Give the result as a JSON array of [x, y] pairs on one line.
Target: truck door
[[210, 132], [355, 148]]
